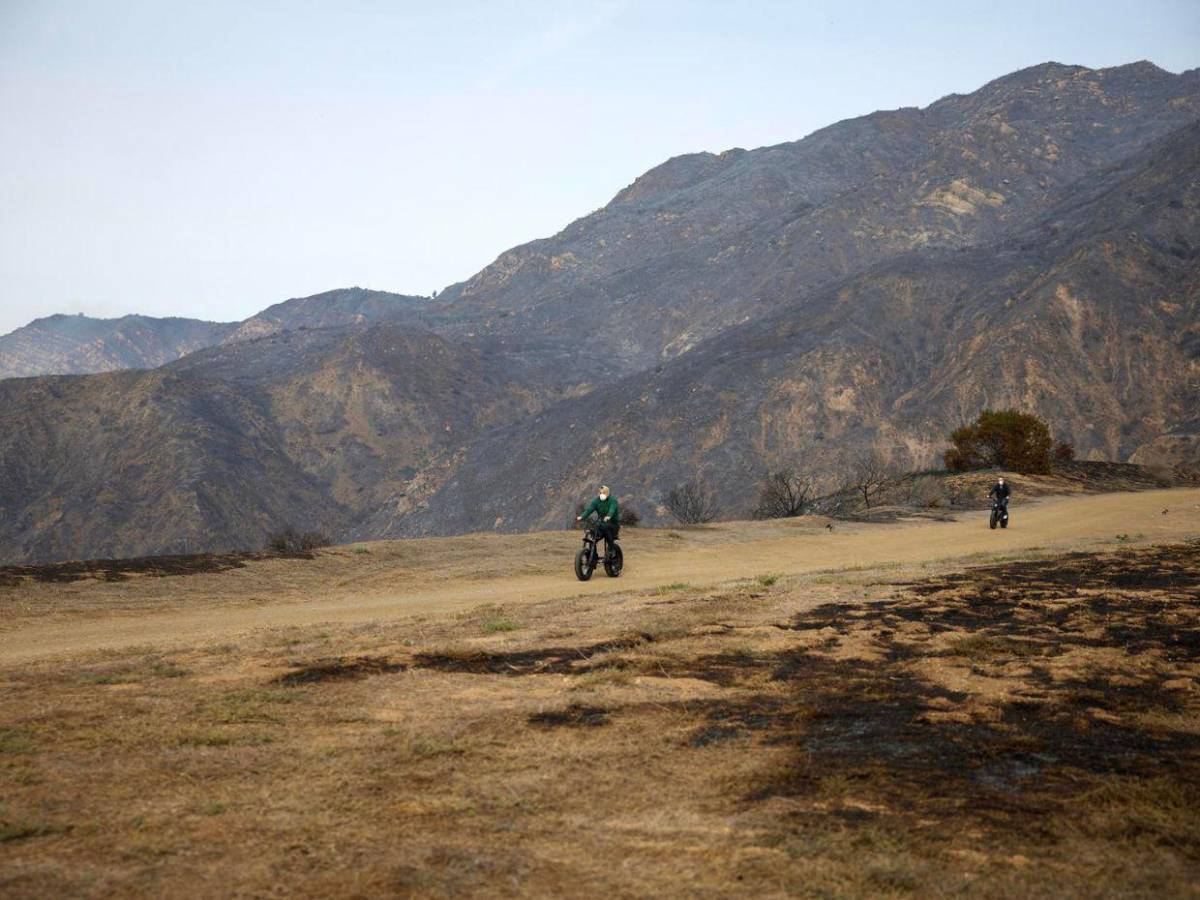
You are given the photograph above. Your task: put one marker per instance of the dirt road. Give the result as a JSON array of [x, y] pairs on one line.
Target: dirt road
[[348, 589]]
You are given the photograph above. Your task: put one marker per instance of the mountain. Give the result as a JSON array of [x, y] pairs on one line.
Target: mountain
[[62, 344], [70, 345], [1091, 317], [870, 286], [139, 462], [706, 241], [228, 444]]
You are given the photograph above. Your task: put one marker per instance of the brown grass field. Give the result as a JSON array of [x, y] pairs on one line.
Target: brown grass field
[[761, 709]]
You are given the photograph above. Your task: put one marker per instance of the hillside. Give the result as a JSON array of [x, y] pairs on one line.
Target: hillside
[[872, 285], [218, 449], [705, 241], [760, 709], [1090, 317], [71, 345]]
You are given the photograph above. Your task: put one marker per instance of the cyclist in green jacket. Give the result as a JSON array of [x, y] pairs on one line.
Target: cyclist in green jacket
[[604, 505]]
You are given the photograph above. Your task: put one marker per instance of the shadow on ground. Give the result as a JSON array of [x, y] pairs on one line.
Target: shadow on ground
[[996, 694]]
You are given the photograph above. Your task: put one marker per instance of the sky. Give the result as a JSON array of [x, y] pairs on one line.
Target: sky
[[207, 159]]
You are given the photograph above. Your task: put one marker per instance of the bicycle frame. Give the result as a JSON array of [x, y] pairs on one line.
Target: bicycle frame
[[592, 538]]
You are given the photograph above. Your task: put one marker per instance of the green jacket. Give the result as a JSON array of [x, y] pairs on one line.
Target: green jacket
[[606, 508]]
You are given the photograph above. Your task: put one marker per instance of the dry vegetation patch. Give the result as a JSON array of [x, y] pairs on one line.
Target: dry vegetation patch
[[1008, 729]]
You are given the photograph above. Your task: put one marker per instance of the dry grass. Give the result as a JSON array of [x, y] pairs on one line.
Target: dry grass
[[438, 576], [1027, 728]]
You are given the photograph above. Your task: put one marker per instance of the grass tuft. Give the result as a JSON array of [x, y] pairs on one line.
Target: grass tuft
[[670, 588], [252, 705], [420, 746], [14, 743], [12, 831], [167, 669], [103, 678], [211, 737], [495, 626]]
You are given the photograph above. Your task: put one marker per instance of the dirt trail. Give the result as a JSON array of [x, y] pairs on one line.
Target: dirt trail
[[723, 553]]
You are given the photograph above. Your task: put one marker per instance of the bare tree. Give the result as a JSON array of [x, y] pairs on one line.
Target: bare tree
[[868, 476], [785, 494], [692, 503]]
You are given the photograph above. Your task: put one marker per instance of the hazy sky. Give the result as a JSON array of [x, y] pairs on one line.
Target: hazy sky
[[210, 158]]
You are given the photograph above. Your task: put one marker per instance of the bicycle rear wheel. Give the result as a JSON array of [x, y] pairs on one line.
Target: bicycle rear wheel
[[615, 563]]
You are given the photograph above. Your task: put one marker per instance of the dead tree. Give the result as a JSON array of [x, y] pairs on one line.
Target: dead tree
[[785, 494], [868, 476], [692, 503]]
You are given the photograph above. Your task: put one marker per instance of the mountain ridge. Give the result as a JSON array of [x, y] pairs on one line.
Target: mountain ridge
[[63, 344], [88, 345], [867, 287]]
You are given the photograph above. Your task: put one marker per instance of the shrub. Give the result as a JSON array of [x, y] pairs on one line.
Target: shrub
[[784, 494], [691, 503], [1064, 452], [288, 540], [1006, 438]]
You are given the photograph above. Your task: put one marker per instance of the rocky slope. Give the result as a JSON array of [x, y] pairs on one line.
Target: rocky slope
[[309, 427], [706, 241], [1090, 317], [69, 345], [870, 286]]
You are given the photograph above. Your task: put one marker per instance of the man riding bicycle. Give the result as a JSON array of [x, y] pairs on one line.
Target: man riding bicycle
[[1000, 491], [605, 506]]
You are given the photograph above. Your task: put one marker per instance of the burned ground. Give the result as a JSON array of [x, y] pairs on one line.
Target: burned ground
[[122, 569], [1075, 651], [339, 670], [542, 661], [1010, 729]]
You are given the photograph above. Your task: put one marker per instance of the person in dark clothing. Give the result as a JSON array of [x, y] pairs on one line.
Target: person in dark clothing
[[604, 505], [1001, 492]]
